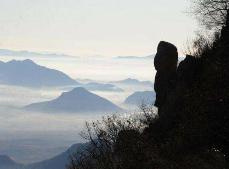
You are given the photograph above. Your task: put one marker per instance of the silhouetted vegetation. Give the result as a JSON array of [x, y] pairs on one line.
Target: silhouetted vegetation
[[211, 13], [105, 139]]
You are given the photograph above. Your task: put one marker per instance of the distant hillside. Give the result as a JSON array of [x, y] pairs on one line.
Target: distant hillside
[[25, 53], [7, 163], [29, 74], [58, 162], [136, 57], [137, 98], [93, 86], [76, 100], [130, 81]]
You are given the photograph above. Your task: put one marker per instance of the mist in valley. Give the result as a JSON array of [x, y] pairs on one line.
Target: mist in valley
[[35, 136]]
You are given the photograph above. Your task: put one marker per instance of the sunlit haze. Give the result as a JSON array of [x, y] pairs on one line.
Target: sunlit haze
[[94, 27]]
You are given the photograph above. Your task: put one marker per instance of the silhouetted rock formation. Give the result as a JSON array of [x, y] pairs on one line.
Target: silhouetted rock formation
[[194, 109], [165, 63]]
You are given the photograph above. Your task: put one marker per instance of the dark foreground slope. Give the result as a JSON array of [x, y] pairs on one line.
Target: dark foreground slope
[[192, 130]]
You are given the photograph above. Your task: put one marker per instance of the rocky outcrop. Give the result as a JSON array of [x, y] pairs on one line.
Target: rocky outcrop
[[193, 109], [165, 63]]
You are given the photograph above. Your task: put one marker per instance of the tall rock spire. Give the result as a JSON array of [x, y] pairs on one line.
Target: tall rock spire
[[165, 63]]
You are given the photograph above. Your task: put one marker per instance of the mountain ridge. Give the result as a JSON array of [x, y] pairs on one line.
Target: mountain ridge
[[24, 53], [131, 81], [29, 74], [76, 100], [140, 97]]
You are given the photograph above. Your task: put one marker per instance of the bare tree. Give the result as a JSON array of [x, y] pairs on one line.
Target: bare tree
[[201, 45], [211, 13]]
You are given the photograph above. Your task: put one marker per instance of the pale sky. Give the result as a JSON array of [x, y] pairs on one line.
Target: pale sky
[[94, 27]]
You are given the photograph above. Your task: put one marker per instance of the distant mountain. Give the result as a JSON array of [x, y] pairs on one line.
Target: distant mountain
[[135, 57], [130, 81], [60, 161], [77, 100], [24, 53], [7, 163], [137, 98], [29, 74], [85, 80], [93, 86], [150, 57]]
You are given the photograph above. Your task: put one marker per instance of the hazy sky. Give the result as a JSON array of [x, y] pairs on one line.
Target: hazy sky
[[94, 27]]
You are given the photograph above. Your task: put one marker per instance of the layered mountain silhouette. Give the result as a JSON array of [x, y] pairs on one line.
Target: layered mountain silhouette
[[76, 100], [136, 57], [137, 98], [29, 74], [25, 53]]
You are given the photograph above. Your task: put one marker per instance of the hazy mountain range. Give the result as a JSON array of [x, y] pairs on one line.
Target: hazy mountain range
[[25, 53], [137, 98], [135, 57], [76, 100], [130, 81], [29, 74], [94, 86]]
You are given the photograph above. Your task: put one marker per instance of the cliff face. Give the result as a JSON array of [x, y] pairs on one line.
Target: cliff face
[[193, 101]]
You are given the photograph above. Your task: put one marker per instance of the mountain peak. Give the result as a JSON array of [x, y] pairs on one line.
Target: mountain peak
[[76, 100], [79, 89], [28, 73], [26, 61], [131, 79]]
